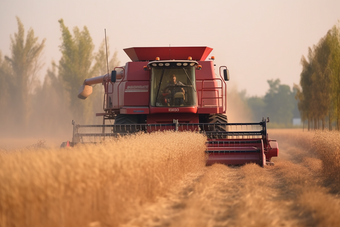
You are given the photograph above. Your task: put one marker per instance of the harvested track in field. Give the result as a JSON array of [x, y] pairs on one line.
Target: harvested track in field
[[294, 192]]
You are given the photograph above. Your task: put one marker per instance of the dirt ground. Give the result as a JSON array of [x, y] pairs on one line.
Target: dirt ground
[[293, 192]]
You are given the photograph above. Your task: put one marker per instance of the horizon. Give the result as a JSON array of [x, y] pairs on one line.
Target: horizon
[[257, 41]]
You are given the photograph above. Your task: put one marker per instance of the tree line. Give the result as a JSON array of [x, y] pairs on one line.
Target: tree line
[[316, 99], [319, 92], [279, 104], [29, 106]]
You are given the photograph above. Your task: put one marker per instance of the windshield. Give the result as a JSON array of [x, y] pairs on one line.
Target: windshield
[[173, 86]]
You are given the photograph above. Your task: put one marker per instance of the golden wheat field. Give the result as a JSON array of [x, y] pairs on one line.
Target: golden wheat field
[[160, 179]]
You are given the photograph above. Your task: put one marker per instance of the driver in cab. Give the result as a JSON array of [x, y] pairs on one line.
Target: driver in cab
[[176, 92]]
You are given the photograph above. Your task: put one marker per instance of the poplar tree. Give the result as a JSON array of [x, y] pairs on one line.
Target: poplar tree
[[24, 65], [6, 82], [319, 95], [334, 43], [321, 82], [75, 66], [305, 93]]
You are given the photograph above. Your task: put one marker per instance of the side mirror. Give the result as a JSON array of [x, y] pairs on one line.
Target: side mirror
[[226, 74], [113, 76]]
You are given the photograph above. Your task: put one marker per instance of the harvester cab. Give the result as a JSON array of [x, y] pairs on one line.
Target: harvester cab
[[173, 83], [175, 88]]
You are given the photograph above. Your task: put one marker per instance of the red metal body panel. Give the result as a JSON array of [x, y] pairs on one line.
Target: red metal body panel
[[234, 158], [120, 93], [133, 89], [167, 53], [211, 90], [136, 93], [192, 109], [135, 110], [135, 71], [236, 151], [165, 117], [110, 99], [273, 150], [207, 71], [210, 110]]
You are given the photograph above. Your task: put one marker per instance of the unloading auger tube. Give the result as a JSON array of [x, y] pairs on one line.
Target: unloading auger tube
[[239, 144], [85, 90]]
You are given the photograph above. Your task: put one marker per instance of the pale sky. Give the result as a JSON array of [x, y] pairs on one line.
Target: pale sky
[[256, 40]]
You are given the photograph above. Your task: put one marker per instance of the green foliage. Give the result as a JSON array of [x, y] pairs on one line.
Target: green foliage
[[257, 105], [319, 94], [333, 39], [19, 73], [100, 66], [6, 83], [75, 66], [278, 104], [79, 62], [49, 107]]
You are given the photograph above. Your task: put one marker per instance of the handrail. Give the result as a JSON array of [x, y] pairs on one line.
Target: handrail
[[224, 86], [106, 87], [219, 96], [119, 83]]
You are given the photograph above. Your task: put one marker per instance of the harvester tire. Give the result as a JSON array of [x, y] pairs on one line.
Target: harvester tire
[[217, 119], [122, 119], [127, 124]]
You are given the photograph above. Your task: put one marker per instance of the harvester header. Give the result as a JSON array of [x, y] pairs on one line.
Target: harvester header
[[175, 88]]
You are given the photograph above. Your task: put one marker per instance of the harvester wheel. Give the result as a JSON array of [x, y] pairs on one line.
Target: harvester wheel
[[122, 119], [127, 124], [217, 119]]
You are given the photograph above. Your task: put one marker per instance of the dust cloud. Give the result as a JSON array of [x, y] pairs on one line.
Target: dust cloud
[[237, 109], [48, 117]]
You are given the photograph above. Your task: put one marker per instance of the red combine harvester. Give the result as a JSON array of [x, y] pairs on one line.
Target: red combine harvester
[[175, 88]]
